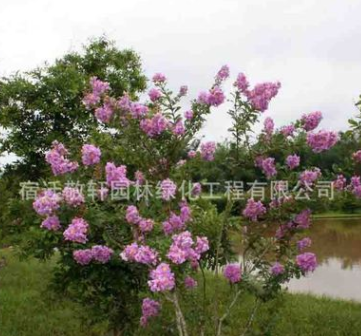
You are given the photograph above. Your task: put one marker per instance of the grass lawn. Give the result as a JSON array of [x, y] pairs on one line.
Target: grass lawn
[[28, 309]]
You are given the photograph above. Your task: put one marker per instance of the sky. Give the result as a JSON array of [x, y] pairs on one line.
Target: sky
[[312, 47]]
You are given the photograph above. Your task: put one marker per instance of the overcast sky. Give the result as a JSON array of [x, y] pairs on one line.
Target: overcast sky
[[312, 47]]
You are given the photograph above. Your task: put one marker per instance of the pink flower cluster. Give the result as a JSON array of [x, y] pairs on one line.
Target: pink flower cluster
[[340, 182], [90, 155], [242, 83], [98, 88], [104, 113], [116, 177], [207, 150], [269, 126], [73, 196], [154, 94], [287, 130], [98, 253], [77, 231], [261, 95], [222, 74], [162, 278], [355, 186], [303, 219], [304, 243], [190, 283], [47, 202], [268, 167], [51, 223], [214, 97], [178, 129], [150, 308], [307, 262], [253, 210], [56, 157], [232, 272], [308, 177], [132, 216], [168, 189], [184, 248], [177, 222], [155, 125], [277, 269], [142, 254], [311, 121], [322, 140], [159, 78], [357, 156], [293, 161]]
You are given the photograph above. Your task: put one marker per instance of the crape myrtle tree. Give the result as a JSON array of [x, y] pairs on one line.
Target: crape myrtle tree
[[44, 104], [144, 239], [39, 106]]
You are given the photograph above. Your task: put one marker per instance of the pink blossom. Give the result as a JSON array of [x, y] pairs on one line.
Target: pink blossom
[[129, 252], [183, 90], [51, 223], [197, 189], [222, 74], [307, 262], [150, 308], [311, 121], [241, 83], [73, 196], [139, 177], [190, 283], [192, 154], [138, 110], [132, 215], [322, 140], [308, 177], [154, 126], [77, 231], [207, 150], [303, 219], [304, 243], [154, 94], [146, 255], [159, 78], [188, 115], [56, 157], [116, 176], [357, 156], [268, 167], [146, 225], [104, 113], [102, 253], [90, 155], [232, 272], [340, 182], [287, 130], [268, 126], [47, 202], [83, 257], [293, 161], [162, 279], [168, 189], [254, 209], [277, 269], [178, 128], [261, 95]]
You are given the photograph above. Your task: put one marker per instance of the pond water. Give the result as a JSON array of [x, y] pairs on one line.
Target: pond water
[[337, 244]]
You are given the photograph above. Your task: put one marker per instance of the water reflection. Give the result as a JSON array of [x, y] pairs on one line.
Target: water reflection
[[337, 244]]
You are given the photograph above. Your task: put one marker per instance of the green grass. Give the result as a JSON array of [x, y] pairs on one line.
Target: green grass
[[28, 309], [336, 214]]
